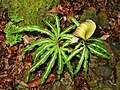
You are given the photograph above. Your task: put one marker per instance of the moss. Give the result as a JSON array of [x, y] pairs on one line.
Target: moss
[[118, 75], [90, 13], [31, 10], [103, 19]]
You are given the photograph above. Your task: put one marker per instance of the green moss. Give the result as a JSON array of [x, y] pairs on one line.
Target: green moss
[[90, 13], [103, 19], [118, 75], [31, 10]]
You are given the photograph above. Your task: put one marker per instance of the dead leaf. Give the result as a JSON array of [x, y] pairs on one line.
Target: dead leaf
[[50, 78], [57, 9], [104, 37], [119, 18], [35, 82], [28, 40], [22, 83]]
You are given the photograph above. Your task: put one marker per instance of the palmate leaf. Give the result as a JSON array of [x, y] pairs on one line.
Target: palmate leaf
[[80, 61], [49, 66], [41, 50], [38, 42]]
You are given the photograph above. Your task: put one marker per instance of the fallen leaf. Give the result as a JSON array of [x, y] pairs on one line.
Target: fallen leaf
[[22, 83], [104, 37], [35, 82], [50, 78]]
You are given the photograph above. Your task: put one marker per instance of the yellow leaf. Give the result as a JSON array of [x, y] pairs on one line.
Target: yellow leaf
[[86, 29]]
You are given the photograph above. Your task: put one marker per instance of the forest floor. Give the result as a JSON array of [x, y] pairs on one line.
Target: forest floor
[[103, 74]]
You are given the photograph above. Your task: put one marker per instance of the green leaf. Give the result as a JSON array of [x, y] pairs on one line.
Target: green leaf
[[80, 62], [85, 65], [54, 30], [40, 50], [66, 36], [68, 29], [74, 20], [86, 29], [78, 45], [66, 43], [57, 23], [101, 47], [42, 59], [12, 39], [68, 63], [35, 43], [49, 66], [96, 51], [66, 50], [73, 54], [98, 40], [35, 28], [16, 19], [60, 63]]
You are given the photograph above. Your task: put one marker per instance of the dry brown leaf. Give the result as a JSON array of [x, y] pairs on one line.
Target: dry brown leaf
[[50, 78], [104, 37], [22, 83], [35, 82]]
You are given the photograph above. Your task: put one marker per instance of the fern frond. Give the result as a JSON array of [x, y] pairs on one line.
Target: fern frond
[[35, 43], [74, 20], [35, 28], [57, 23], [101, 47], [66, 50], [98, 40], [80, 62], [40, 62], [73, 54], [49, 66], [68, 29], [69, 66], [60, 63], [66, 36], [66, 43], [53, 28], [78, 45], [40, 50], [85, 65], [96, 51]]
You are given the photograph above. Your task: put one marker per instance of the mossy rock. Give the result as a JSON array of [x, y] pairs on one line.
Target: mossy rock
[[91, 13], [31, 10], [118, 75], [103, 19]]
